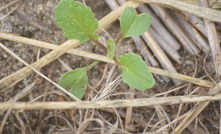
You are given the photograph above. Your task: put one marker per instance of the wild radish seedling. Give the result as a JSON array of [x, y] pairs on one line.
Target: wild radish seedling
[[78, 22]]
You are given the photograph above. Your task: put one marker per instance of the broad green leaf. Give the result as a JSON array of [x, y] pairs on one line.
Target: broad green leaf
[[79, 88], [110, 48], [133, 25], [127, 18], [135, 72], [76, 20], [76, 81]]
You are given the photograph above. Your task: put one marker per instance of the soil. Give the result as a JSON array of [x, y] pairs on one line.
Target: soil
[[21, 22]]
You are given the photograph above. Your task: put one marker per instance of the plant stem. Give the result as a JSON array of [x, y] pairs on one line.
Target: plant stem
[[118, 39], [116, 60], [92, 65], [99, 44], [105, 49]]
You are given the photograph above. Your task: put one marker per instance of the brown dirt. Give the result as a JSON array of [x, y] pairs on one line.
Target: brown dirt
[[51, 121]]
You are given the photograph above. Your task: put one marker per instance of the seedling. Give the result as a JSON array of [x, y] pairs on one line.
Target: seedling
[[78, 22]]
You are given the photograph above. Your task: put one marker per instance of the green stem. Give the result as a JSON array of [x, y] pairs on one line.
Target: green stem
[[118, 39], [92, 65]]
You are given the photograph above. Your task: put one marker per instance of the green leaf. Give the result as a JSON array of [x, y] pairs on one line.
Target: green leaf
[[135, 72], [79, 87], [128, 16], [76, 20], [133, 25], [75, 80], [110, 48]]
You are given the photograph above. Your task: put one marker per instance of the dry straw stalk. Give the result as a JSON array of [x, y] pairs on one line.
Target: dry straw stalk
[[97, 57], [11, 80], [110, 103], [206, 13]]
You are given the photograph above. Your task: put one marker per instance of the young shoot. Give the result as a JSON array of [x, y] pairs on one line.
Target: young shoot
[[78, 22]]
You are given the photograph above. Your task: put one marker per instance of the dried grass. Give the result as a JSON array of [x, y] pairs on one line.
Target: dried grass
[[101, 101]]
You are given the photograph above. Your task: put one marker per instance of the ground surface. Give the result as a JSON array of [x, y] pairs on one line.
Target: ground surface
[[51, 121]]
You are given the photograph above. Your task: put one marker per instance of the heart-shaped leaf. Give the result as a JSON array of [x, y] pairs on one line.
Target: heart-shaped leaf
[[110, 48], [76, 20], [75, 80], [133, 25], [135, 72]]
